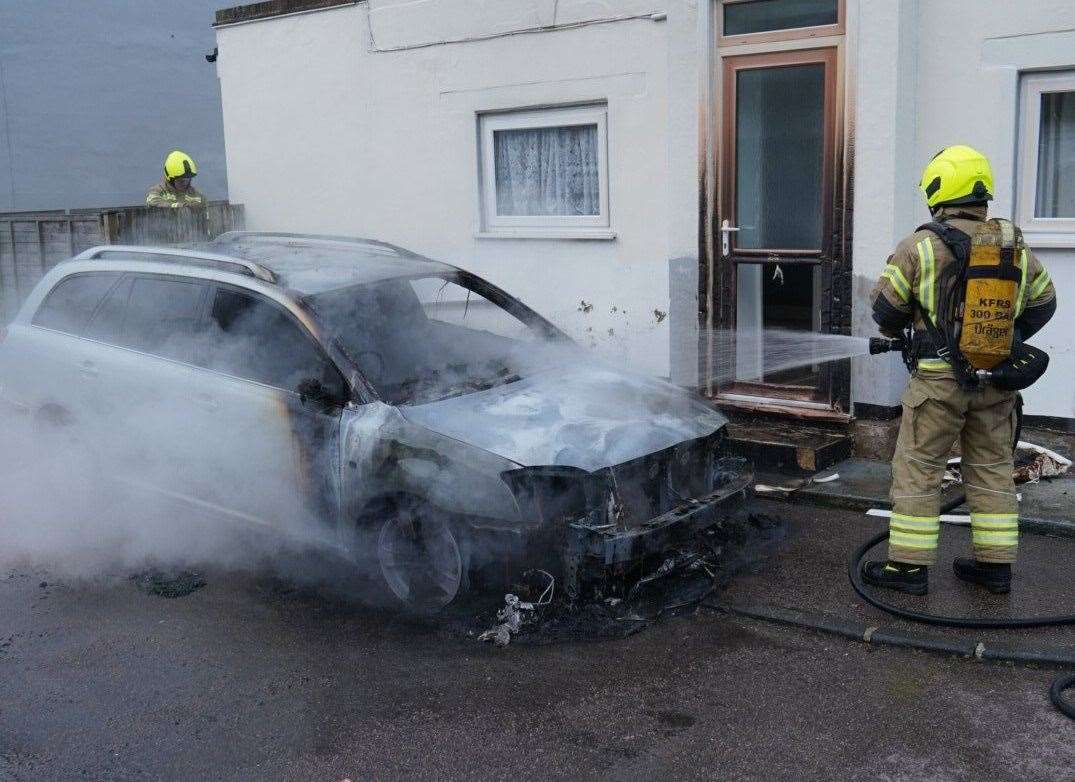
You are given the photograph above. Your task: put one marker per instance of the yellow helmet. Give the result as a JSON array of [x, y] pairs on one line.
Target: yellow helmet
[[179, 164], [957, 175]]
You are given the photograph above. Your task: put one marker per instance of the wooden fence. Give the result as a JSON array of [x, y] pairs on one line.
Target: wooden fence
[[31, 243]]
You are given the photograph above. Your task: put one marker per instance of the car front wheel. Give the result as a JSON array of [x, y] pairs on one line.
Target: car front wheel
[[420, 557]]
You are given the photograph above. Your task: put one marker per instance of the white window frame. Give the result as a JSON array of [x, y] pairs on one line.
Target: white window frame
[[544, 226], [1032, 87]]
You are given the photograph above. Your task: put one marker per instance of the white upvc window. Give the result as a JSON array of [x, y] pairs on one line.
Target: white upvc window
[[1046, 197], [545, 173]]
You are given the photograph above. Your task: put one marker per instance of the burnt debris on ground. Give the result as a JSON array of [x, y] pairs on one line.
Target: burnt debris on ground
[[677, 584], [537, 611]]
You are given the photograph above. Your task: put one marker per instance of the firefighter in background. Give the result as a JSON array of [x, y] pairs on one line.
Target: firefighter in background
[[939, 404], [175, 190]]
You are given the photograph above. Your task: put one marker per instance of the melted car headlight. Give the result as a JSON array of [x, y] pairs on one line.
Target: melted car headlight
[[549, 494]]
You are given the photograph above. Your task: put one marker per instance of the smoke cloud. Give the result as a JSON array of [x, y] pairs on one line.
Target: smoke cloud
[[157, 464], [65, 508]]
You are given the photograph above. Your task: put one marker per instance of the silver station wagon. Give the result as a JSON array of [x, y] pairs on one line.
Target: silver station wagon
[[421, 419]]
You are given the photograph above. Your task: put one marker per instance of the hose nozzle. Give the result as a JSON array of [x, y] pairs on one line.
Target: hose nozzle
[[886, 345]]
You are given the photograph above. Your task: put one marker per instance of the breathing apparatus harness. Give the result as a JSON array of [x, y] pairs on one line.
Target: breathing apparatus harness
[[979, 341]]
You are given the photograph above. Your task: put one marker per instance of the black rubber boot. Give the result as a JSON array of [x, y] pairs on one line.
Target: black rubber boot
[[912, 579], [994, 576]]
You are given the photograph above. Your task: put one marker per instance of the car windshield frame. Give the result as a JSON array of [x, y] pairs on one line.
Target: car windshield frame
[[528, 317]]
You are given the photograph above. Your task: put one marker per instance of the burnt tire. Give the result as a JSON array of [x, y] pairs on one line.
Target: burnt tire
[[420, 557]]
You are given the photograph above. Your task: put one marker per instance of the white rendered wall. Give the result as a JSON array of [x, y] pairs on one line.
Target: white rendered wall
[[326, 135], [938, 73], [687, 37], [980, 69], [884, 78]]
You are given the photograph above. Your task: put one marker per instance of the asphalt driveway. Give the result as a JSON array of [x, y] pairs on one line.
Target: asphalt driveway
[[252, 678]]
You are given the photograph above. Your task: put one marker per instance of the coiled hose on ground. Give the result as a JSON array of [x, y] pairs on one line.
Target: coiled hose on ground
[[1056, 693]]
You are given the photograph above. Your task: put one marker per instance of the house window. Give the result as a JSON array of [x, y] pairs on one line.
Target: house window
[[1047, 153], [545, 172], [770, 20]]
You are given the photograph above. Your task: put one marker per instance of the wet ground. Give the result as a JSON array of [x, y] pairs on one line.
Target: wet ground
[[248, 677]]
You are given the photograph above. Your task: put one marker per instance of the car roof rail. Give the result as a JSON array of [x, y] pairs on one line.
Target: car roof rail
[[390, 249], [125, 252]]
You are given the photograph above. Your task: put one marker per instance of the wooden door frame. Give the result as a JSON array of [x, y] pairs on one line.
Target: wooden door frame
[[714, 302], [790, 34], [730, 66]]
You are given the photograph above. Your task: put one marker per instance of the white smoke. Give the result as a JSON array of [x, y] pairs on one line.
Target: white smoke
[[132, 472], [65, 508]]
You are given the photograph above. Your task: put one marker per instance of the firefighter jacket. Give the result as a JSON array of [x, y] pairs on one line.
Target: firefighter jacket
[[165, 196], [938, 412]]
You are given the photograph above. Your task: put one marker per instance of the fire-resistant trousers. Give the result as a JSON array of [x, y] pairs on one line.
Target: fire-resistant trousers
[[936, 411]]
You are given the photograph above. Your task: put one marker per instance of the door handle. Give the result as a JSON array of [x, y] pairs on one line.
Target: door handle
[[88, 369], [207, 402], [726, 230]]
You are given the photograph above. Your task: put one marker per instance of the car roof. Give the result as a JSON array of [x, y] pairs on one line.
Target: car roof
[[313, 264]]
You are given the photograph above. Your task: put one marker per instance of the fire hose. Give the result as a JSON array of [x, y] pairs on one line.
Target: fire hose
[[1056, 692]]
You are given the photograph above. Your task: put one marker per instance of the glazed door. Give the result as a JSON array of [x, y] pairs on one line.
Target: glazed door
[[775, 226]]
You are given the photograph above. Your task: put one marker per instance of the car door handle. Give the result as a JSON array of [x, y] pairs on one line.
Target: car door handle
[[207, 402], [89, 369]]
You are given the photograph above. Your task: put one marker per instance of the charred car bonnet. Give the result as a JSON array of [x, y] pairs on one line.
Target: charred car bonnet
[[418, 417]]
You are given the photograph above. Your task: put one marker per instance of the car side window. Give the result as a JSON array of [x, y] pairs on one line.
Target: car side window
[[161, 315], [153, 315], [254, 339], [107, 323], [69, 306]]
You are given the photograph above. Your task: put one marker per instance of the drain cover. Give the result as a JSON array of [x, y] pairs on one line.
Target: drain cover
[[169, 584]]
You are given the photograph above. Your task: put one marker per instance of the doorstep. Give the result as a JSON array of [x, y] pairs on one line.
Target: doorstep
[[790, 447]]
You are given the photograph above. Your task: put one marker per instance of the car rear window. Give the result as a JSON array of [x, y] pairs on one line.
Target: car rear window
[[70, 304]]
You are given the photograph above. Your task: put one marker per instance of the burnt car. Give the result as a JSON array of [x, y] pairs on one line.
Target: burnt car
[[405, 410]]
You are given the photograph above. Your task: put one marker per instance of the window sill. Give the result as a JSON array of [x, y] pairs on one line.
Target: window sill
[[1049, 240], [583, 234]]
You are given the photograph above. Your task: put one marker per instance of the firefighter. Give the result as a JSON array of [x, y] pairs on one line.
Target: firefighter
[[939, 405], [175, 190]]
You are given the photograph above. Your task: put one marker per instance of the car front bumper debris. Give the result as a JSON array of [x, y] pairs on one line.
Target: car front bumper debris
[[611, 553]]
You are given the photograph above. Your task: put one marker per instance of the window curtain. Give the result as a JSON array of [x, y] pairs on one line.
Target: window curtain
[[1056, 156], [547, 171]]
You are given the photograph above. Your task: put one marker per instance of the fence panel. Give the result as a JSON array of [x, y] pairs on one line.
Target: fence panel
[[31, 243]]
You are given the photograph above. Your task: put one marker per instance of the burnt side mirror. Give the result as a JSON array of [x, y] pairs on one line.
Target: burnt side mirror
[[312, 391]]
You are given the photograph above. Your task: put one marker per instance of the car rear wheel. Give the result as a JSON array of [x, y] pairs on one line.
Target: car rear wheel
[[420, 557]]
